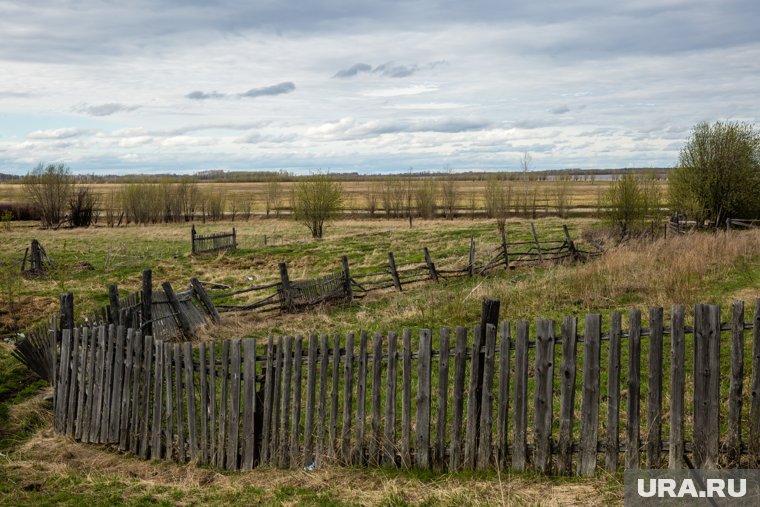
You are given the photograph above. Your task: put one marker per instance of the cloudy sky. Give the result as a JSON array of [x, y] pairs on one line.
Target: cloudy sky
[[370, 86]]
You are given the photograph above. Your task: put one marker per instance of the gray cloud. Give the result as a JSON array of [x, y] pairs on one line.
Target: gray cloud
[[278, 89], [104, 109], [390, 70], [560, 110], [353, 70]]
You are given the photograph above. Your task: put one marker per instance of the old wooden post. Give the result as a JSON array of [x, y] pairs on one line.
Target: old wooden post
[[567, 394], [36, 259], [590, 400], [200, 291], [735, 389], [113, 300], [542, 400], [535, 240], [192, 239], [430, 265], [570, 242], [489, 314], [422, 426], [471, 266], [394, 272], [347, 278], [286, 300], [147, 302], [706, 385], [505, 249], [67, 310], [182, 320], [677, 380], [234, 238]]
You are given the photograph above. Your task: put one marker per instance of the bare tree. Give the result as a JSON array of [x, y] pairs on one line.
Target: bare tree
[[273, 196], [424, 198], [82, 207], [49, 188], [317, 199], [449, 195]]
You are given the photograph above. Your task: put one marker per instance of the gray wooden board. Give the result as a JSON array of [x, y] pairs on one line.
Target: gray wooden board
[[613, 394], [389, 434], [460, 363], [249, 402], [295, 427], [735, 386], [348, 376], [485, 443], [633, 426], [677, 381], [542, 400], [520, 451], [233, 430], [654, 397], [406, 401], [590, 400], [377, 368], [145, 393], [503, 401], [361, 400], [439, 456], [422, 427], [471, 437], [284, 447], [311, 383]]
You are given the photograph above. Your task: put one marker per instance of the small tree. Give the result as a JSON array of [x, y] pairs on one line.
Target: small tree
[[316, 200], [82, 207], [718, 173], [630, 200], [273, 196], [50, 188], [449, 195]]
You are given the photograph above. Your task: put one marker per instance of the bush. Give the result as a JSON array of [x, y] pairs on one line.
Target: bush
[[82, 207], [630, 200], [316, 200], [50, 188], [718, 173]]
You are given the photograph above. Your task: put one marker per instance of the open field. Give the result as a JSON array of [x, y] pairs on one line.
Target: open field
[[41, 468]]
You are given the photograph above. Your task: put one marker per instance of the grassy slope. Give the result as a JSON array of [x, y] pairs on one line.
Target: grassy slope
[[703, 268]]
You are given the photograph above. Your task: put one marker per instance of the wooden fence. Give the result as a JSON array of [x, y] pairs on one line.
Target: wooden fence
[[290, 294], [475, 402], [212, 242]]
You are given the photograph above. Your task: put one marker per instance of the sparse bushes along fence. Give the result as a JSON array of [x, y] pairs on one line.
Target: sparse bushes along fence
[[450, 402]]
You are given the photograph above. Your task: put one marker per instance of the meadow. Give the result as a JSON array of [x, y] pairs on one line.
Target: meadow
[[39, 467]]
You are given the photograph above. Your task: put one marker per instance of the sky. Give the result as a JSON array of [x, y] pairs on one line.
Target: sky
[[375, 86]]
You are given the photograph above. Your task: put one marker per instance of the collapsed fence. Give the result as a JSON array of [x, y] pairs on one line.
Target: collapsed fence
[[287, 294], [294, 401]]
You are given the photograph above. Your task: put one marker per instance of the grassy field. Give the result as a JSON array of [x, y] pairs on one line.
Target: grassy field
[[40, 468]]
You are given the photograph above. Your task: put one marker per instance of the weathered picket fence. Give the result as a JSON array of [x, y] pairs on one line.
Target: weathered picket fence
[[204, 243], [481, 401]]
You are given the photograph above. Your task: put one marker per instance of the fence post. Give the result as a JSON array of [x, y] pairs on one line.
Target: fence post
[[394, 272], [203, 296], [430, 265], [113, 299], [535, 239], [489, 314], [192, 239], [67, 310], [286, 301], [347, 278], [472, 257], [182, 319], [147, 302], [570, 242], [36, 259], [504, 246], [234, 239]]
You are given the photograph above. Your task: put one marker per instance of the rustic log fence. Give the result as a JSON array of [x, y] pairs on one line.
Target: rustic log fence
[[287, 294], [205, 243], [506, 396]]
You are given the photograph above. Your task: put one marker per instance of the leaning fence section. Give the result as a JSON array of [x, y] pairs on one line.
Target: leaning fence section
[[514, 396]]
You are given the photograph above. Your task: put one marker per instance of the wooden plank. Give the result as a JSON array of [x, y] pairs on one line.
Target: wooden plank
[[389, 433], [502, 420], [735, 387], [471, 263], [134, 420], [504, 246], [535, 239], [212, 403], [430, 265], [311, 385], [126, 406], [439, 455], [542, 400], [324, 366], [287, 377], [192, 416], [460, 363], [334, 388], [114, 418], [754, 407], [266, 429], [205, 299], [145, 397], [590, 399], [611, 456], [249, 403], [203, 402], [147, 302], [348, 377], [394, 272], [274, 456], [361, 401], [83, 381], [295, 428], [168, 401], [654, 398], [74, 384], [520, 452], [567, 394], [677, 380], [97, 404], [422, 427], [485, 443], [406, 401], [471, 432], [62, 386], [233, 430], [179, 314], [377, 365], [706, 384], [181, 449], [633, 428], [347, 278], [107, 384], [158, 401]]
